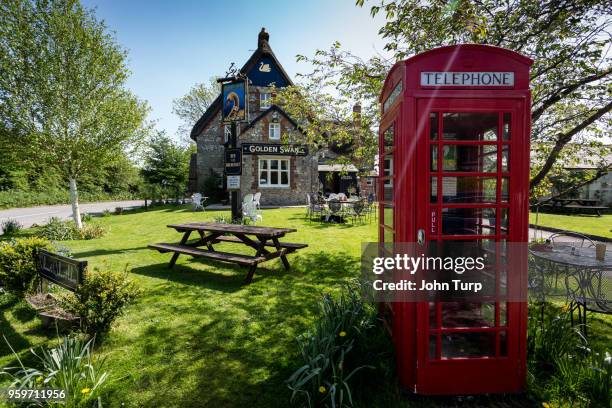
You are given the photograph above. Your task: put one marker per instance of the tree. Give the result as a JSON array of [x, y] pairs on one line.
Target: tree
[[166, 163], [568, 40], [62, 89], [191, 106]]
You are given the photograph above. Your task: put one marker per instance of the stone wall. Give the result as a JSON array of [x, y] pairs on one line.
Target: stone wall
[[303, 175]]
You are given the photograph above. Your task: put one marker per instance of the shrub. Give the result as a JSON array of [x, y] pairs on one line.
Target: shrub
[[59, 230], [106, 213], [86, 217], [101, 298], [71, 367], [118, 210], [17, 264], [563, 368], [10, 227], [323, 379], [91, 231]]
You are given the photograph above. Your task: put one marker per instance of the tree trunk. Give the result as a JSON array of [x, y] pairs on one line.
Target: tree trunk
[[74, 199]]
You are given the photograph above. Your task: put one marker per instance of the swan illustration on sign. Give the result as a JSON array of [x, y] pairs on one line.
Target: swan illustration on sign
[[264, 67], [234, 101]]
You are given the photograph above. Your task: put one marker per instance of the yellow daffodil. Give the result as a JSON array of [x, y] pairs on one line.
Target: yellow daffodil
[[39, 379], [564, 308], [546, 405], [342, 333], [322, 389], [85, 390]]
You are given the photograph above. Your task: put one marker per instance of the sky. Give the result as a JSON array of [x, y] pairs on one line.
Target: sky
[[174, 44]]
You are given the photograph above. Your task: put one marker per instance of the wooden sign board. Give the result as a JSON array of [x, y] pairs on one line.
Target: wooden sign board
[[233, 162], [60, 270]]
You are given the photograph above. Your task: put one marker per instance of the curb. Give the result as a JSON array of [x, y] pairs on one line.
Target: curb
[[551, 229]]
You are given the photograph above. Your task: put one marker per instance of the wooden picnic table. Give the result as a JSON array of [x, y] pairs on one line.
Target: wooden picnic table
[[575, 205], [212, 233]]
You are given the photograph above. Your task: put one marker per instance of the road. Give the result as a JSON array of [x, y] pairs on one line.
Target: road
[[39, 215]]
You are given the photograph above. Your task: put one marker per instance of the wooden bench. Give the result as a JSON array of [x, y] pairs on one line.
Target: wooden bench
[[288, 245], [203, 253]]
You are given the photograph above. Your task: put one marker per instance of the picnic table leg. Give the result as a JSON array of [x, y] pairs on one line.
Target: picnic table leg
[[176, 254], [282, 257], [261, 248]]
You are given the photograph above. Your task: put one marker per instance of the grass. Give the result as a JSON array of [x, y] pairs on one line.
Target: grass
[[199, 337], [587, 224]]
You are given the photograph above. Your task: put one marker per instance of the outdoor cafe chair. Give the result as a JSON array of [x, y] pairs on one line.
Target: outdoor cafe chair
[[256, 199], [335, 209], [249, 210], [316, 208], [359, 210], [198, 201]]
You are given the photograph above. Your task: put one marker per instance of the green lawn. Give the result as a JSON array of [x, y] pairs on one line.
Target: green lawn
[[588, 224], [199, 337]]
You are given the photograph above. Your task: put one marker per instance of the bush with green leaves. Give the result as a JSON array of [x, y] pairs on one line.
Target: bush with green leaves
[[10, 227], [17, 263], [100, 299], [71, 367], [57, 229], [562, 367], [324, 377]]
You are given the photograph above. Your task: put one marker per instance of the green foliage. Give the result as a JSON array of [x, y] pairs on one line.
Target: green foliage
[[166, 164], [101, 299], [324, 377], [10, 227], [26, 198], [567, 40], [57, 229], [63, 95], [191, 106], [17, 264], [562, 367], [71, 366]]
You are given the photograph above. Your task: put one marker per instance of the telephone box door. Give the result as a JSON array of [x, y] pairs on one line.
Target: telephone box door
[[471, 154]]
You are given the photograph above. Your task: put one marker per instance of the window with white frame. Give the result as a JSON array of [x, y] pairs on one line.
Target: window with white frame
[[273, 173], [265, 100], [274, 131]]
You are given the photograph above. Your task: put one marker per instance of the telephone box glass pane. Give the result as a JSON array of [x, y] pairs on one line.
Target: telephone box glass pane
[[388, 215], [389, 137], [468, 189], [503, 343], [388, 236], [433, 186], [504, 190], [503, 313], [468, 221], [468, 314], [433, 341], [433, 125], [503, 220], [505, 159], [469, 158], [433, 315], [469, 126], [434, 158], [506, 127], [479, 344]]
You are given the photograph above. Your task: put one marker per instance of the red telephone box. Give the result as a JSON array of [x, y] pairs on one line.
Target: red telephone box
[[454, 158]]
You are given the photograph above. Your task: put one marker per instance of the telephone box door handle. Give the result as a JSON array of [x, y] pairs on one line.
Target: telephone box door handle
[[421, 236]]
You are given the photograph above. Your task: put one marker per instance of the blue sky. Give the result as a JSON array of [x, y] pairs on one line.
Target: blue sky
[[174, 44]]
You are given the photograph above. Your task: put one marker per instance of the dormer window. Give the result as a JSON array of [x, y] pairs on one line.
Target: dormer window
[[274, 131], [265, 100]]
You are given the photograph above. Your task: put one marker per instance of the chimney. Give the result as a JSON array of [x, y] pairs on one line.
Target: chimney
[[262, 39], [357, 115]]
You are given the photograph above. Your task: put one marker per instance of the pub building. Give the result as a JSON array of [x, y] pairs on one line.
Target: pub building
[[275, 159]]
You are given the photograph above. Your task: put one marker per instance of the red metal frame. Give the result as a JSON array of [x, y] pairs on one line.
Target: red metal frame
[[412, 210]]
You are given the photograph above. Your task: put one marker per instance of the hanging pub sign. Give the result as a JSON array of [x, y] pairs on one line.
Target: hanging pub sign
[[233, 162], [234, 101], [275, 149], [60, 270], [471, 79]]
